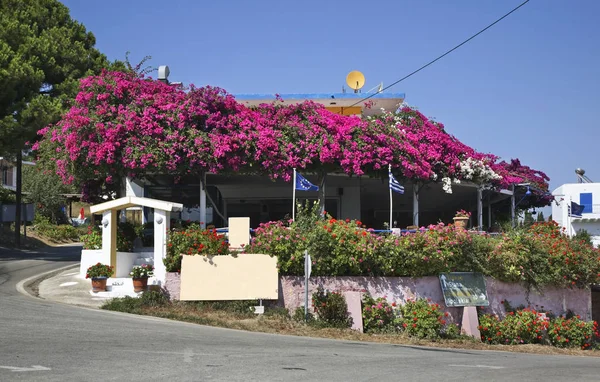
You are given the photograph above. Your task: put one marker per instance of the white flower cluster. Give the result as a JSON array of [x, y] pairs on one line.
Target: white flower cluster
[[447, 184], [474, 169]]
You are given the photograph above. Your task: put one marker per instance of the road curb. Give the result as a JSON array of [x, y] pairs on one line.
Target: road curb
[[21, 284]]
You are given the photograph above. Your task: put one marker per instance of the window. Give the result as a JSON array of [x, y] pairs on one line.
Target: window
[[7, 177], [585, 200]]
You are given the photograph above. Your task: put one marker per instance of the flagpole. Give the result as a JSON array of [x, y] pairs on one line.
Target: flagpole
[[294, 197], [391, 202], [570, 214]]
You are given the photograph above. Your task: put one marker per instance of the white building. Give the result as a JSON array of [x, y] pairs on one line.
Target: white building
[[8, 173], [586, 195]]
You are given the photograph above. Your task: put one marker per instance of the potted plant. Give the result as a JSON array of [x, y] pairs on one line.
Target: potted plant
[[139, 275], [461, 218], [99, 273]]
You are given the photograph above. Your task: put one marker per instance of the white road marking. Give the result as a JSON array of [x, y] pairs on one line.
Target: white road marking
[[69, 283], [32, 368], [480, 366]]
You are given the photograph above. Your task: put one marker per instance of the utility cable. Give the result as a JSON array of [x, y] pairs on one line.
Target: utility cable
[[445, 54]]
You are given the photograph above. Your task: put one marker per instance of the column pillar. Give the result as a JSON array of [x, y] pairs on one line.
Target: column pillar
[[479, 209], [109, 237], [489, 205], [162, 223], [416, 204], [202, 200], [512, 206]]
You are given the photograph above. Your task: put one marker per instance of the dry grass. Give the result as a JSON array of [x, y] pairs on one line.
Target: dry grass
[[286, 326]]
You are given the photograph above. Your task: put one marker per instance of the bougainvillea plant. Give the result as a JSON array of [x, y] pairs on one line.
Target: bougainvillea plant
[[122, 124]]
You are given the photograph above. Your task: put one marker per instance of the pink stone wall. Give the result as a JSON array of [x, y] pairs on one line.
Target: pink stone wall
[[173, 284], [400, 289]]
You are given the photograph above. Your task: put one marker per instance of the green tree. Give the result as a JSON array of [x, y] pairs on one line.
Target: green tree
[[540, 217], [43, 54], [528, 219], [45, 190]]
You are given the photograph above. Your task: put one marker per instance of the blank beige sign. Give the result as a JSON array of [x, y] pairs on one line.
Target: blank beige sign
[[239, 232], [239, 277]]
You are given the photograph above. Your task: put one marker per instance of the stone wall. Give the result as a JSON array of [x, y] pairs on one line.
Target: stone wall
[[400, 289], [173, 285]]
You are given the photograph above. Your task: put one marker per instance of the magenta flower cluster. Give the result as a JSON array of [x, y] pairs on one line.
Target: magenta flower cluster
[[122, 124]]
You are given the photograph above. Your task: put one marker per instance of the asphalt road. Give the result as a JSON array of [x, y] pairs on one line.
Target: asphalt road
[[44, 341]]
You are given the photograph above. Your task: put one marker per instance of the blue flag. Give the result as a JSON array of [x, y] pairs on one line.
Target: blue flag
[[302, 184], [576, 210], [395, 185]]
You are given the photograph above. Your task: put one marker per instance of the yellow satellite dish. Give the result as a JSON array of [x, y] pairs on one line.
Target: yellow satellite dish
[[355, 80]]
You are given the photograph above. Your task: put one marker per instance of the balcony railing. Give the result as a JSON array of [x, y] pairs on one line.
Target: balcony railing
[[595, 209]]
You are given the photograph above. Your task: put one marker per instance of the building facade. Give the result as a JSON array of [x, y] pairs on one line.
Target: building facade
[[586, 195]]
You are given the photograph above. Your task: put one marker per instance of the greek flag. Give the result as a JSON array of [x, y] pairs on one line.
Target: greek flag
[[395, 185], [575, 210], [302, 184]]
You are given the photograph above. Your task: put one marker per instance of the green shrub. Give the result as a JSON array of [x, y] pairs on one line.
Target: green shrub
[[153, 298], [277, 311], [92, 239], [300, 316], [123, 304], [539, 256], [422, 319], [148, 299], [193, 241], [331, 309], [378, 315], [572, 332], [243, 307], [56, 233]]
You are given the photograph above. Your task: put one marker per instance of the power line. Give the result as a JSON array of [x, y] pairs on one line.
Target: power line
[[445, 54]]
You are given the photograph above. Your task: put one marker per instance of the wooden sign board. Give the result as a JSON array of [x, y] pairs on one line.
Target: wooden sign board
[[464, 289]]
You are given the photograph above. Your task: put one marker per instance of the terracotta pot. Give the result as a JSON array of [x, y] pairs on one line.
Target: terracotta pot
[[461, 222], [140, 284], [99, 284]]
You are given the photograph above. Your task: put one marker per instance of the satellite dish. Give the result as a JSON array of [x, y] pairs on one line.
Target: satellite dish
[[355, 80]]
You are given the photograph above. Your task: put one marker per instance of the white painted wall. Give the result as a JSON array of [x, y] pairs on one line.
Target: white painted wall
[[125, 260], [590, 220]]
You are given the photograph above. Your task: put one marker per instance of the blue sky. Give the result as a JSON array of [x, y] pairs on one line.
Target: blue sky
[[528, 88]]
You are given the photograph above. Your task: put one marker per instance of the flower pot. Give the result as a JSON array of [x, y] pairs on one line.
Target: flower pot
[[461, 222], [99, 284], [140, 284]]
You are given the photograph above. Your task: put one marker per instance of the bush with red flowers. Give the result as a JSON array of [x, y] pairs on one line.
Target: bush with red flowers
[[573, 332], [99, 270], [422, 319], [378, 315], [331, 309], [193, 241], [524, 326]]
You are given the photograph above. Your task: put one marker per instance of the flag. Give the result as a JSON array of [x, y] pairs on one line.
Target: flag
[[395, 185], [302, 184], [575, 210]]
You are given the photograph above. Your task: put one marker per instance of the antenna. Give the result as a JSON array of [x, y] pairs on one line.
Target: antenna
[[378, 87], [581, 178], [355, 80]]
